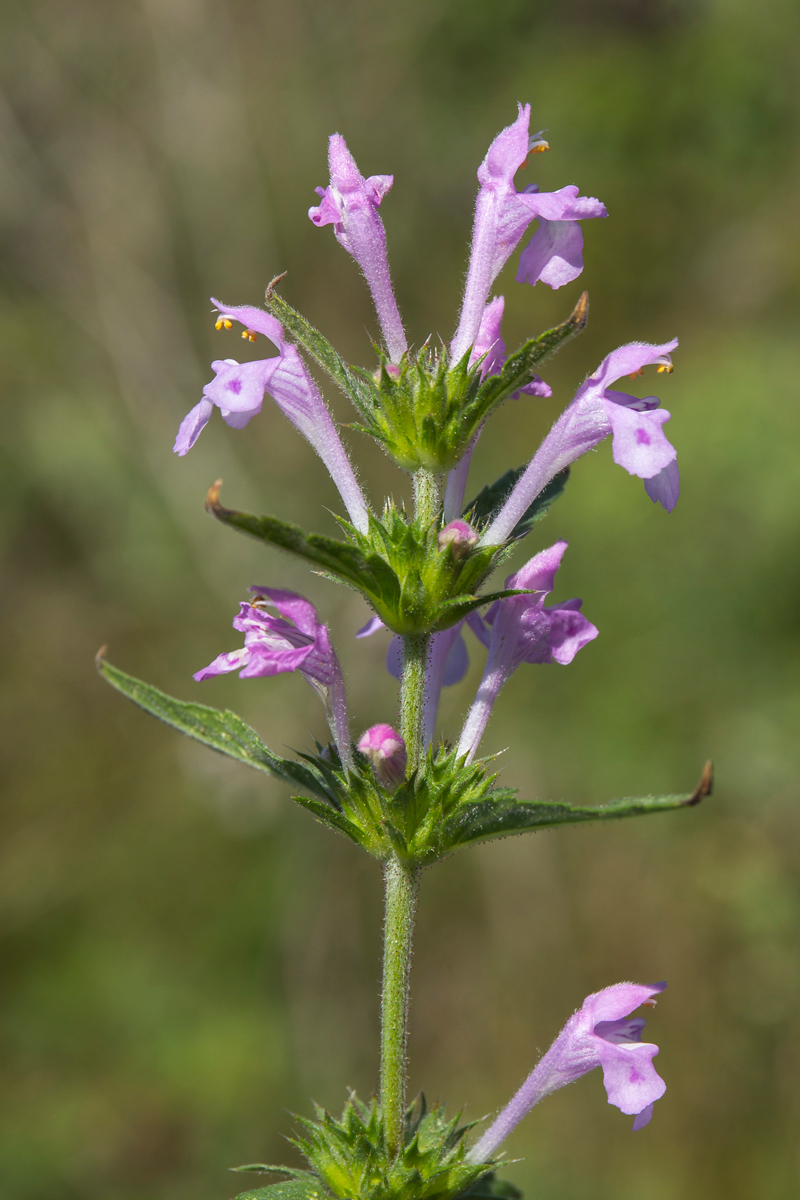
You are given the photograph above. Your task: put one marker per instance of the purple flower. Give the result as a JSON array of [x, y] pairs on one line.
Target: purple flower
[[460, 537], [238, 391], [502, 214], [639, 443], [523, 629], [448, 661], [294, 641], [489, 343], [350, 203], [386, 750], [600, 1034]]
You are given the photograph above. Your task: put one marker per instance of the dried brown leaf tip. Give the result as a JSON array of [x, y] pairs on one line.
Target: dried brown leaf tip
[[706, 785]]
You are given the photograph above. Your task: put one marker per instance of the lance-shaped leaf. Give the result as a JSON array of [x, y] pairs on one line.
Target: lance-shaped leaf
[[307, 1187], [491, 499], [369, 573], [489, 819], [519, 368], [356, 385], [220, 730]]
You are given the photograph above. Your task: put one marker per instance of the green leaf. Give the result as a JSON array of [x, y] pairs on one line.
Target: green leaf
[[455, 610], [305, 1186], [490, 500], [488, 819], [518, 368], [331, 817], [353, 383], [370, 573], [220, 730]]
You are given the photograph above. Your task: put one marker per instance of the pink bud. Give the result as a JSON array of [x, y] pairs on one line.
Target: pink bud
[[460, 536], [386, 750]]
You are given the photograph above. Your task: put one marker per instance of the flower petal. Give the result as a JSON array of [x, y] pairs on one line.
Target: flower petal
[[626, 360], [554, 254], [457, 663], [255, 319], [665, 487], [292, 606], [539, 572], [223, 664], [192, 426], [569, 632], [372, 626], [631, 1081], [642, 1118], [639, 443], [350, 204], [240, 387]]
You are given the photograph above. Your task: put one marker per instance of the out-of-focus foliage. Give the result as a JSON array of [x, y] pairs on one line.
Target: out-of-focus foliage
[[185, 956]]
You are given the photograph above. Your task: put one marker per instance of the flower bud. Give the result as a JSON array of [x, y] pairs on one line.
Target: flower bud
[[386, 750], [460, 536]]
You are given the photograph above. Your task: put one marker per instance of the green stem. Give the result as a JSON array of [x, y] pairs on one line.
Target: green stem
[[401, 899], [412, 696], [401, 879], [427, 495]]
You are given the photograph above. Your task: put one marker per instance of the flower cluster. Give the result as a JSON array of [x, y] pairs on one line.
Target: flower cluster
[[423, 573]]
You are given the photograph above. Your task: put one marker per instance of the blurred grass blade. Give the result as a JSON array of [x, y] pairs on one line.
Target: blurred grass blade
[[489, 819], [220, 730]]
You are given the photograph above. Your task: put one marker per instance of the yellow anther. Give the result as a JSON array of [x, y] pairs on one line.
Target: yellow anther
[[636, 374], [249, 335], [223, 323], [665, 368]]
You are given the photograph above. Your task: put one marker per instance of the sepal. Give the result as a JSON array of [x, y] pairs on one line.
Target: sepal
[[351, 1156], [429, 409], [414, 586]]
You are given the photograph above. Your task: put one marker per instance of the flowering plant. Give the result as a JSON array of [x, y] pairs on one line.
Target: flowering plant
[[405, 795]]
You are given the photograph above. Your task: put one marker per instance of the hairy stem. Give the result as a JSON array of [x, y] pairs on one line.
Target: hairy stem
[[427, 495], [412, 696], [401, 879], [401, 899]]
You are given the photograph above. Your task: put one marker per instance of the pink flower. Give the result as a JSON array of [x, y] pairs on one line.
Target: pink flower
[[524, 629], [386, 750], [350, 203], [489, 343], [294, 641], [502, 214], [238, 390], [600, 1034], [638, 440]]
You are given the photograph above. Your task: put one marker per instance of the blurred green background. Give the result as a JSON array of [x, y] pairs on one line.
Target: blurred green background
[[185, 955]]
